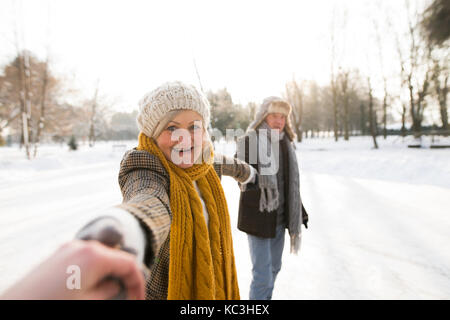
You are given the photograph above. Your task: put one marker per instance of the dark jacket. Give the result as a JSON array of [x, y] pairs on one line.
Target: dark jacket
[[250, 219]]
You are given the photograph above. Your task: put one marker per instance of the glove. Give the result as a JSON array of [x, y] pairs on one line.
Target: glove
[[305, 217], [120, 230], [252, 184]]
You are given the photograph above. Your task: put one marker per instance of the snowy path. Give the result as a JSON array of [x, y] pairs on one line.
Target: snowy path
[[40, 213], [368, 239]]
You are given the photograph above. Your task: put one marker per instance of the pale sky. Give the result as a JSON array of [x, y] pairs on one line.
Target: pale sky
[[250, 47]]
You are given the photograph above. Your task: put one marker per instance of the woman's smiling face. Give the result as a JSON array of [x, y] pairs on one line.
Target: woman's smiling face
[[181, 140]]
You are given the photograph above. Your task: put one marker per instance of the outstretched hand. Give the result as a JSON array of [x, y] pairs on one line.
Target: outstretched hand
[[93, 262]]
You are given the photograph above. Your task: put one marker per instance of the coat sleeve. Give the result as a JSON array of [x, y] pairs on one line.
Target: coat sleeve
[[243, 154], [144, 185], [233, 167]]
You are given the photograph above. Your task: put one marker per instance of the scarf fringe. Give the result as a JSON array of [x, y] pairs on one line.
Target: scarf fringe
[[269, 200], [296, 240]]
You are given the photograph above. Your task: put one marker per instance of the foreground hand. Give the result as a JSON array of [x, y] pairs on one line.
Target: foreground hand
[[94, 261]]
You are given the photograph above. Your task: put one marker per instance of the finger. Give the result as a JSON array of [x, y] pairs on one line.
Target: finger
[[120, 264], [135, 285], [104, 290]]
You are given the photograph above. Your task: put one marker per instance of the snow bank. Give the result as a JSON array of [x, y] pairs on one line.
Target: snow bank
[[393, 161], [378, 218]]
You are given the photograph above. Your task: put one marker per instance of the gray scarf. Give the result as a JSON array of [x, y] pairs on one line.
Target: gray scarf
[[268, 158], [269, 155]]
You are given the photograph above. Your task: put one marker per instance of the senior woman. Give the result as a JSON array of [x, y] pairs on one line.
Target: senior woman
[[174, 214]]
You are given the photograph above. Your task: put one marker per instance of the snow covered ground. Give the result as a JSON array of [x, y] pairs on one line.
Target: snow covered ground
[[379, 219]]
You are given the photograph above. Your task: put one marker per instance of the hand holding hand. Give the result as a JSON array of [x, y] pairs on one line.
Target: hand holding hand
[[95, 264]]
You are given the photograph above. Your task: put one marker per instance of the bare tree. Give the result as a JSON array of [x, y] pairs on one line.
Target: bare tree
[[439, 78], [344, 81], [362, 119], [372, 116], [415, 70], [383, 74], [315, 109], [417, 104], [25, 101], [251, 107], [403, 74], [43, 100], [8, 114], [295, 94], [24, 70], [41, 121], [333, 81], [403, 129], [92, 118], [436, 22], [48, 109]]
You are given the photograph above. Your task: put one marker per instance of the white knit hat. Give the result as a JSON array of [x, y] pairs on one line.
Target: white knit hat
[[167, 97]]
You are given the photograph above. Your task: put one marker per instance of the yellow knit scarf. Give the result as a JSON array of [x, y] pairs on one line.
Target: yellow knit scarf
[[201, 259]]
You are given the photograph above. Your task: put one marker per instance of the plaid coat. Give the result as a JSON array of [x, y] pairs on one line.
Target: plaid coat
[[144, 183]]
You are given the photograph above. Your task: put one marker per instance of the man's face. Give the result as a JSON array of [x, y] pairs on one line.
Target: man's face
[[276, 121]]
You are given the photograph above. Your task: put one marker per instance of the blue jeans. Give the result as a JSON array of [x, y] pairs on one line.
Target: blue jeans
[[266, 256]]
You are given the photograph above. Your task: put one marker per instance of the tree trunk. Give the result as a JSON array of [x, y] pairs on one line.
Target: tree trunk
[[92, 120], [297, 129], [444, 116], [442, 97], [42, 115], [403, 130], [335, 110], [25, 103], [416, 125], [372, 118], [418, 108], [295, 97], [345, 121], [363, 120], [346, 118], [385, 110]]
